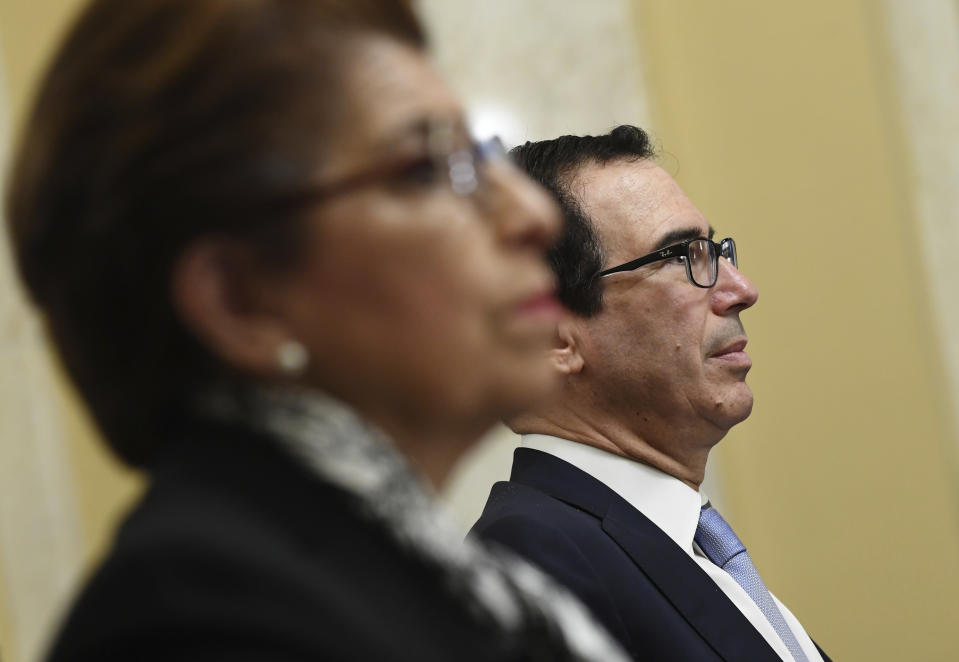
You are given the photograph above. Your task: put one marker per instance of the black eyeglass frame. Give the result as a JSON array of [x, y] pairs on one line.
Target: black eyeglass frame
[[725, 248]]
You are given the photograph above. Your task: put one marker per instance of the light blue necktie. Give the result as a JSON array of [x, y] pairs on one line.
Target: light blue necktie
[[721, 545]]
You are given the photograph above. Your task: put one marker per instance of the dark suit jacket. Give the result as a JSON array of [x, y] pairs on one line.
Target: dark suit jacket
[[648, 593], [237, 553]]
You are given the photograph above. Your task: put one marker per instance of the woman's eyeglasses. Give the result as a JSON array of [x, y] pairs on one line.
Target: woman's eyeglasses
[[451, 157]]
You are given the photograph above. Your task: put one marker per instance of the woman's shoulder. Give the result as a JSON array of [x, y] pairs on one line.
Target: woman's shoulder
[[247, 547]]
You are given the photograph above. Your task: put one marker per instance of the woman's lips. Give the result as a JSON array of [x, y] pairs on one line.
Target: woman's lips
[[541, 306]]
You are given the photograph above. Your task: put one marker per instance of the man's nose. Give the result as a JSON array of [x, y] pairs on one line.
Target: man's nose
[[733, 292], [525, 214]]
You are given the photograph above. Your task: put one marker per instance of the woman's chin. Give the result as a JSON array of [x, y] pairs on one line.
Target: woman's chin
[[525, 388]]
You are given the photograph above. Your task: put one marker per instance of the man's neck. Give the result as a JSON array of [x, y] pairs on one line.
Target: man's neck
[[681, 460]]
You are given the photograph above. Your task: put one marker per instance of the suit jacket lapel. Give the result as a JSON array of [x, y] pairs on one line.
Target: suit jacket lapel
[[694, 595]]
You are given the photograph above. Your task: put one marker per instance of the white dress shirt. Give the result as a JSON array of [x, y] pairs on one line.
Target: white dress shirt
[[674, 507]]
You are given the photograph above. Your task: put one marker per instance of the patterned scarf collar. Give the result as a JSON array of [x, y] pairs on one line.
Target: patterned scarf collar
[[541, 619]]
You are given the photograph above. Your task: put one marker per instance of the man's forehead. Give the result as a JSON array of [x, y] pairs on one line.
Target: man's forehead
[[634, 182], [635, 205]]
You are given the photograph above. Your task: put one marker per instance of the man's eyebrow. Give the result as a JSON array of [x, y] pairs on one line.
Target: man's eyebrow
[[679, 235]]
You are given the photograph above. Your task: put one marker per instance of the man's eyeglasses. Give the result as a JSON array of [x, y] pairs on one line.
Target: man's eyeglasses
[[701, 257]]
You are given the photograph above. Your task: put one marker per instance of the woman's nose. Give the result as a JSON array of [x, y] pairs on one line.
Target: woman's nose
[[525, 214]]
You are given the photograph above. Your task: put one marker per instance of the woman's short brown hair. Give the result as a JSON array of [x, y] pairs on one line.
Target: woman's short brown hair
[[160, 121]]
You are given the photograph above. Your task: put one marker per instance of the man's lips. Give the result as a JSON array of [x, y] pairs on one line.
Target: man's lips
[[734, 353], [732, 348]]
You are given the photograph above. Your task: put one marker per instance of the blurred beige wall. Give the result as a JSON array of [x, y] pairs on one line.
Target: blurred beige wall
[[28, 29], [789, 125], [783, 121]]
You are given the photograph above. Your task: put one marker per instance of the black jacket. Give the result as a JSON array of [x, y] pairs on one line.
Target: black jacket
[[237, 553], [639, 584]]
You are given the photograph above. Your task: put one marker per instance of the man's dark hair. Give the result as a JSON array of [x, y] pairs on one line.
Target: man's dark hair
[[578, 255]]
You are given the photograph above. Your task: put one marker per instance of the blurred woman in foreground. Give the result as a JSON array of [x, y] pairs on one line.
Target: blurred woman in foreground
[[287, 284]]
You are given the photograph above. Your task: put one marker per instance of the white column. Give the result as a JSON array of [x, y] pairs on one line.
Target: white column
[[533, 70], [924, 44], [40, 548], [537, 69]]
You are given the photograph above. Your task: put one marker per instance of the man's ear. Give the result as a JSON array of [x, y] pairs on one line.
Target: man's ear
[[214, 290], [565, 355]]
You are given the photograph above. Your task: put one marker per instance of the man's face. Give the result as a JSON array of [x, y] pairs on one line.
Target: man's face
[[664, 358]]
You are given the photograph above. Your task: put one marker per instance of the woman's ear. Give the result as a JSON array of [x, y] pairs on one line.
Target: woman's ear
[[216, 292], [565, 354]]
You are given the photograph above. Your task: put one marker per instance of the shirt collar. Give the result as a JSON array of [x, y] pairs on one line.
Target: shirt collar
[[669, 503]]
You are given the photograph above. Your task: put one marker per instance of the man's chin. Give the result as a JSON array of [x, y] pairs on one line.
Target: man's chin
[[735, 406], [745, 410]]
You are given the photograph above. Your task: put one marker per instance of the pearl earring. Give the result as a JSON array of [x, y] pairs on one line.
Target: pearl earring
[[292, 358]]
